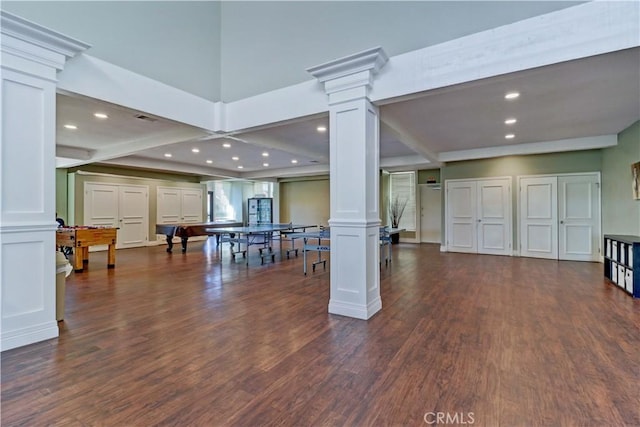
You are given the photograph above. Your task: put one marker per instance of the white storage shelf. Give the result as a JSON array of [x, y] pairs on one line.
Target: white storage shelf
[[622, 262]]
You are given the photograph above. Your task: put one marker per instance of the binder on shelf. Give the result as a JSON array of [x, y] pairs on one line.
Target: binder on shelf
[[608, 248], [623, 253], [614, 250], [614, 272], [621, 278], [628, 279], [630, 257]]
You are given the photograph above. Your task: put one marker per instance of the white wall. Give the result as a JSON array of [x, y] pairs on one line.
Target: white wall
[[174, 42], [216, 49], [279, 40]]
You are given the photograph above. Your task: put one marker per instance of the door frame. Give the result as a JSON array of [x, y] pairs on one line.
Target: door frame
[[549, 175], [433, 187]]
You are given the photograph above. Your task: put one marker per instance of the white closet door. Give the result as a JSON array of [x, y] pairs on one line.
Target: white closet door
[[494, 217], [134, 213], [169, 206], [461, 216], [101, 205], [539, 217], [579, 217], [191, 206]]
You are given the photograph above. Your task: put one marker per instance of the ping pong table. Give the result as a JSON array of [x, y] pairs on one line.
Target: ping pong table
[[261, 235], [323, 236]]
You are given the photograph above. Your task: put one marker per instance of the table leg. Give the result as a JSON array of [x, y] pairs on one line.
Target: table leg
[[111, 261], [78, 264], [184, 244], [85, 254]]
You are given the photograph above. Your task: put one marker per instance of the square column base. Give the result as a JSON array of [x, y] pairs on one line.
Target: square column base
[[356, 311]]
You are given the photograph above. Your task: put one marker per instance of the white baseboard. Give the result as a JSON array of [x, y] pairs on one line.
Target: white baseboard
[[28, 335], [443, 248]]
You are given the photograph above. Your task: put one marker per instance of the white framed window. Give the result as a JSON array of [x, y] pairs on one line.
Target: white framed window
[[222, 207], [402, 194]]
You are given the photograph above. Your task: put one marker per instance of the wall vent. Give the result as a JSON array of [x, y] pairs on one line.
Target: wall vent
[[145, 118]]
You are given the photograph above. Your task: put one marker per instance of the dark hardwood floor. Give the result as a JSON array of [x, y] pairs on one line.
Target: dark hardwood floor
[[192, 340]]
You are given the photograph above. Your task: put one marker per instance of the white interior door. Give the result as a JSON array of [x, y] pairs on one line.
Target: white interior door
[[539, 217], [579, 217], [461, 216], [101, 205], [494, 216], [134, 214], [169, 205], [191, 206], [430, 214]]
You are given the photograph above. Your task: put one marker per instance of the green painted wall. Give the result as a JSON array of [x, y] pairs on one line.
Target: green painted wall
[[62, 194], [620, 213], [514, 166], [539, 164], [427, 174]]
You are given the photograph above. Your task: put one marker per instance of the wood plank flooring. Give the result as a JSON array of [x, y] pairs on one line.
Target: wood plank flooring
[[195, 340]]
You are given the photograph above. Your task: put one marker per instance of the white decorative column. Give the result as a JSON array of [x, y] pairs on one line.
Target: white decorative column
[[31, 57], [354, 183]]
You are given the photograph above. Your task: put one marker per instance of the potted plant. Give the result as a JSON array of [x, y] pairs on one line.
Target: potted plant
[[396, 209]]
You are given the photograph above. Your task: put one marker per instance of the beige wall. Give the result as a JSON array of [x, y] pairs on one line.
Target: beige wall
[[620, 212], [305, 202]]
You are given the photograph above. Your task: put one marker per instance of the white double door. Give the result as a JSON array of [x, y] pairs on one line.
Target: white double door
[[560, 217], [122, 206], [478, 217], [179, 205]]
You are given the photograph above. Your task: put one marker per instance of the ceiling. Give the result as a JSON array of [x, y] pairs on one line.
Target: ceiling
[[589, 97]]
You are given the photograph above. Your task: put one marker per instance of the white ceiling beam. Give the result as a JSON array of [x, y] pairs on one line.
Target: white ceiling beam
[[596, 28], [391, 126], [588, 143], [170, 167]]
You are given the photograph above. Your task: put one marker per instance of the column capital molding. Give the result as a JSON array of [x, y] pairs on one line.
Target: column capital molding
[[351, 71], [31, 41]]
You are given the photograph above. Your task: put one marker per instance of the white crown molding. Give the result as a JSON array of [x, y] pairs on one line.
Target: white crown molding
[[20, 35], [588, 143], [371, 60]]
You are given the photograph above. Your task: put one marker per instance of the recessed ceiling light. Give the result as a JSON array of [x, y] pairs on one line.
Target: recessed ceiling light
[[235, 158], [72, 127], [240, 166], [512, 95], [509, 136], [265, 154], [195, 150], [294, 161], [226, 145], [321, 128], [167, 154], [101, 115], [265, 164], [209, 161], [510, 121]]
